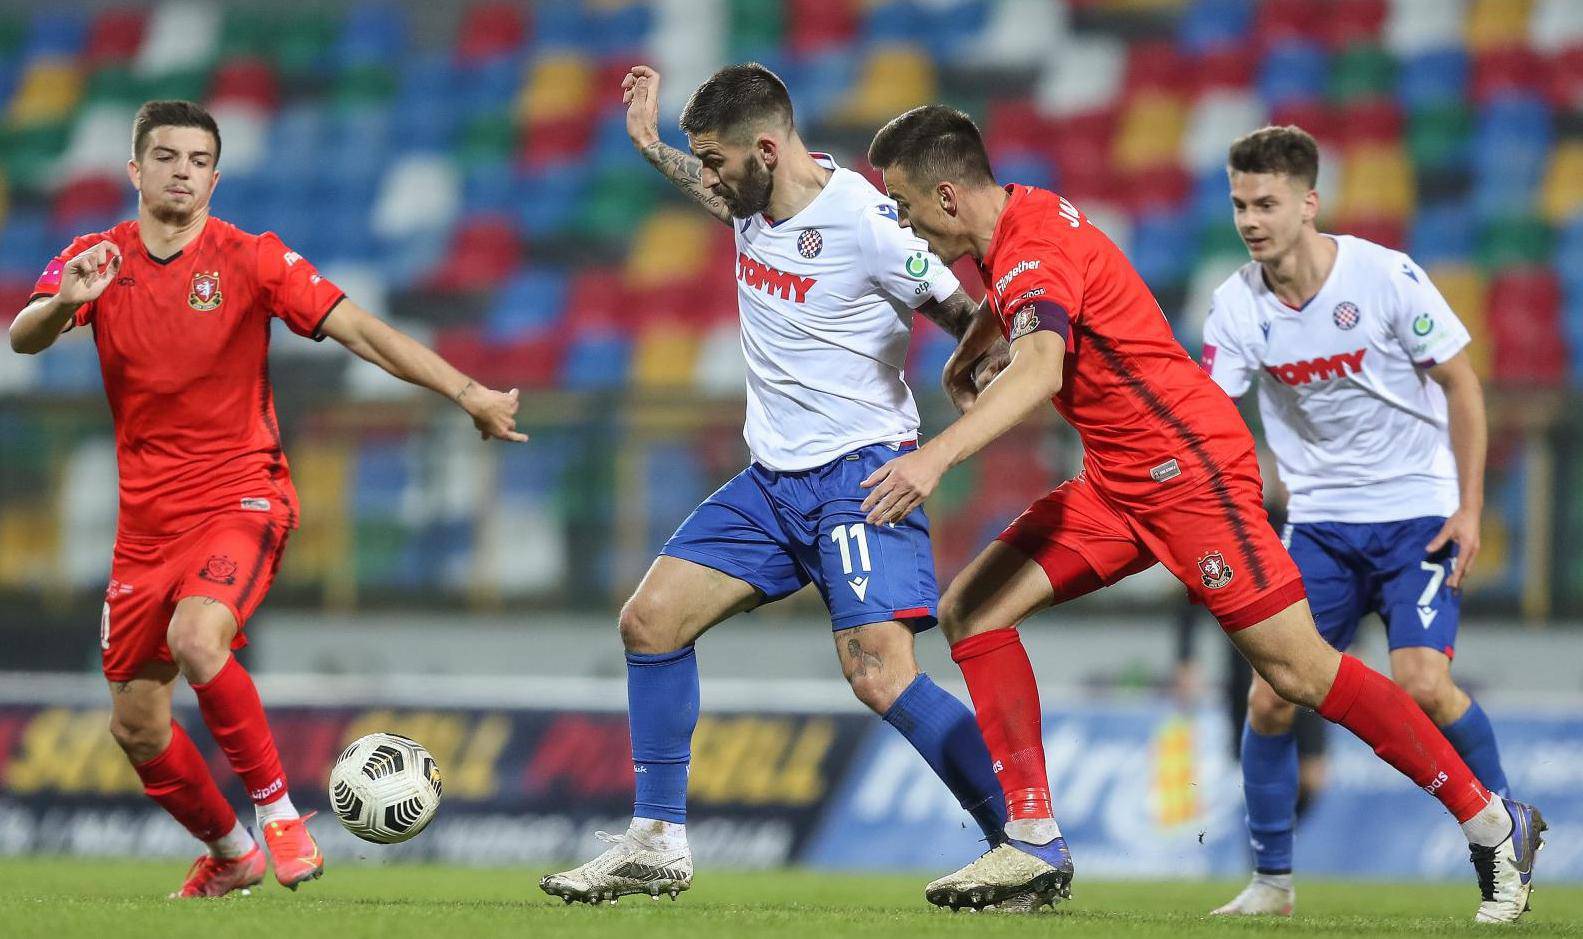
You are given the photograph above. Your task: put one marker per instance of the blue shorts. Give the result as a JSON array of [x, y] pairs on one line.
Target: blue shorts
[[782, 531], [1353, 568]]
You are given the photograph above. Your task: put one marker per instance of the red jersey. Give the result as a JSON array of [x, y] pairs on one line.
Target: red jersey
[[1153, 423], [183, 347]]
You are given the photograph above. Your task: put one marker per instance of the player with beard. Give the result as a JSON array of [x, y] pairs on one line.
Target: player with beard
[[180, 304], [827, 284]]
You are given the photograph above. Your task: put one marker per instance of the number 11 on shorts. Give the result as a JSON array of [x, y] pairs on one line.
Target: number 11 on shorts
[[845, 536]]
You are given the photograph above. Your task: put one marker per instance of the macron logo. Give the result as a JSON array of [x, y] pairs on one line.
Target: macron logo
[[859, 586], [768, 279], [1020, 268], [1321, 369]]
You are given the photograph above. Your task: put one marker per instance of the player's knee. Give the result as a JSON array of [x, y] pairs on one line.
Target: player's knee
[[196, 648], [955, 618], [875, 689], [142, 739], [1294, 683], [1269, 713], [1431, 689], [643, 628]]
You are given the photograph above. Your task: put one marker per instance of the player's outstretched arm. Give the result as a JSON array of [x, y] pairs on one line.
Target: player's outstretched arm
[[1033, 376], [1469, 443], [493, 412], [82, 280], [640, 92]]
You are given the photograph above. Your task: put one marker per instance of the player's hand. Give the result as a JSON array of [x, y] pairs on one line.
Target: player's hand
[[901, 486], [494, 413], [640, 92], [1462, 528], [89, 273]]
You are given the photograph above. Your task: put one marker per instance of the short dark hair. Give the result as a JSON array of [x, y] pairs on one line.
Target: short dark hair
[[737, 98], [1290, 151], [933, 143], [171, 114]]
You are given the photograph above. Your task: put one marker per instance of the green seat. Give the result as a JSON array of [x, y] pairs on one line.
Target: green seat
[[13, 29], [186, 85], [302, 42], [248, 32], [618, 200], [378, 548], [1362, 71], [368, 84], [30, 153], [1512, 241], [113, 85], [1437, 136], [757, 27], [491, 138], [1218, 238]]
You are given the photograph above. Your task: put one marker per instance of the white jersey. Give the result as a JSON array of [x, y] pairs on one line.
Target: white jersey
[[827, 298], [1357, 426]]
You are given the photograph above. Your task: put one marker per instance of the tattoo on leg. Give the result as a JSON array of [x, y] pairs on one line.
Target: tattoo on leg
[[862, 659], [122, 687]]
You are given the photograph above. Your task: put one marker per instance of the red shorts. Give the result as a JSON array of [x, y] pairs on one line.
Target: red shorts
[[1216, 540], [231, 558]]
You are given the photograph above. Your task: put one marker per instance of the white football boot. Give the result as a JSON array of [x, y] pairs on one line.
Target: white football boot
[[1506, 871], [1014, 877], [632, 864], [1260, 898]]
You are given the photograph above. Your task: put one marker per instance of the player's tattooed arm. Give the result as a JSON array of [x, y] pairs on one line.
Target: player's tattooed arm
[[683, 170], [954, 314], [981, 355]]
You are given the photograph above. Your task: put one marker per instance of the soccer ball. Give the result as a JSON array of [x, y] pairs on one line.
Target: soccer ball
[[385, 788]]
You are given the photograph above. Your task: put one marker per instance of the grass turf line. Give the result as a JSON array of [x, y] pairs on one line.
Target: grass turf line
[[64, 898]]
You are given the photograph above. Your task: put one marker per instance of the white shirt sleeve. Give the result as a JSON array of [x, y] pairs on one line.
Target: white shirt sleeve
[[1225, 357], [1425, 325], [901, 262]]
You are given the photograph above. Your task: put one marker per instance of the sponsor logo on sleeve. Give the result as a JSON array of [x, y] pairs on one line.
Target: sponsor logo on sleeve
[[291, 257], [1423, 324], [917, 265], [1017, 270]]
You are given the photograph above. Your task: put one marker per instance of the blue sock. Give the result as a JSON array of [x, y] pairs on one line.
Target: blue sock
[[662, 710], [946, 734], [1474, 739], [1269, 784]]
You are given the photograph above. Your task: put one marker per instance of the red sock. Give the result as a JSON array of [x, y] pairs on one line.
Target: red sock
[[235, 716], [1382, 715], [1006, 697], [179, 781]]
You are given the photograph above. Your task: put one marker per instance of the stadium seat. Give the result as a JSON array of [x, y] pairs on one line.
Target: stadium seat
[[1435, 78], [1562, 195], [1293, 71], [1525, 328], [1376, 121], [419, 195], [372, 32], [1210, 25], [1023, 167], [551, 197], [1566, 79], [665, 357], [114, 37], [1223, 70], [1162, 247], [1465, 290], [1414, 26], [1440, 137], [1278, 22], [49, 91], [177, 35], [1360, 72], [1353, 22], [1022, 33], [671, 246], [1156, 67], [892, 80], [490, 31], [1510, 71], [1443, 234], [721, 370], [1555, 25], [55, 33], [597, 362], [559, 87], [1086, 77], [556, 141], [485, 251], [249, 81], [1497, 24], [1218, 118], [1514, 241], [819, 25], [1376, 181], [1150, 132], [528, 306]]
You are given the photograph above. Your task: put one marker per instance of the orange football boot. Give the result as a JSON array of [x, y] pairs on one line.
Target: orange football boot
[[296, 854], [212, 876]]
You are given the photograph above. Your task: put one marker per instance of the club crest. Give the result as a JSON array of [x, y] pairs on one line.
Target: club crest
[[1346, 315], [810, 243], [205, 294], [1212, 568], [219, 569]]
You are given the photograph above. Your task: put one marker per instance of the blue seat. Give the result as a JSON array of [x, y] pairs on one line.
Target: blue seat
[[1212, 24], [372, 33], [1211, 198], [488, 88], [1164, 247], [56, 31], [597, 362], [823, 81], [1029, 169], [1293, 71], [489, 187], [896, 21], [1572, 326], [621, 29], [1439, 76], [565, 26], [1443, 234], [931, 348], [1511, 151], [529, 305], [70, 368], [1568, 259], [953, 28], [551, 198], [25, 243], [676, 483], [380, 477], [536, 477]]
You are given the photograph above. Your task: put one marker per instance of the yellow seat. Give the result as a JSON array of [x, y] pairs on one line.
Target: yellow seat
[[894, 79], [48, 93], [673, 245], [29, 545], [1150, 132], [321, 550], [1376, 182], [1495, 24], [1561, 198], [558, 86], [1464, 289], [665, 358]]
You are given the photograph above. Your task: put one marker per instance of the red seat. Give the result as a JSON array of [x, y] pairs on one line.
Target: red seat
[[463, 347], [1316, 118], [484, 252], [1377, 120], [1223, 68], [490, 30], [598, 302], [1015, 124], [1524, 318], [1281, 20], [1076, 143], [1392, 233], [1503, 71], [114, 37], [1348, 22], [1566, 79], [87, 200], [246, 81], [557, 141], [818, 25], [1156, 189], [1155, 66]]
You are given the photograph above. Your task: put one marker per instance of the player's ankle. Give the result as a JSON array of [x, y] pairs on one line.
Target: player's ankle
[[279, 810], [1282, 881], [1033, 830], [233, 844], [657, 833], [1491, 826]]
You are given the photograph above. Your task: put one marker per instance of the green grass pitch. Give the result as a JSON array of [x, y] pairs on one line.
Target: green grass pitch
[[53, 898]]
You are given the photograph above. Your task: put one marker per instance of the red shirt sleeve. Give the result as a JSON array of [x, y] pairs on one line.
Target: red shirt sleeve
[[1039, 289], [48, 283], [293, 288]]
